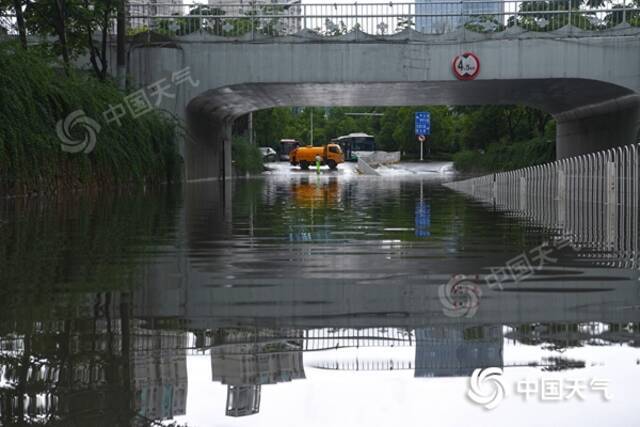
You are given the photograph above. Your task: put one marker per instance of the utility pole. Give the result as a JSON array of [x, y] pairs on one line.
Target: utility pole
[[250, 125], [121, 28], [311, 126]]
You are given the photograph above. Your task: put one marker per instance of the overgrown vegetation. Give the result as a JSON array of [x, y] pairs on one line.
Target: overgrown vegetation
[[246, 156], [36, 94], [504, 138], [501, 157]]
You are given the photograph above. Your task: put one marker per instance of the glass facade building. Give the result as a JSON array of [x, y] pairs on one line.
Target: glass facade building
[[441, 16]]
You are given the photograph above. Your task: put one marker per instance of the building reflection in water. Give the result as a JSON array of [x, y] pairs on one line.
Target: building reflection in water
[[113, 371], [245, 368], [160, 373], [106, 371], [454, 350], [250, 367]]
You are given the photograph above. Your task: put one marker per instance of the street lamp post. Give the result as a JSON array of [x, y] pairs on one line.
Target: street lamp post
[[311, 126]]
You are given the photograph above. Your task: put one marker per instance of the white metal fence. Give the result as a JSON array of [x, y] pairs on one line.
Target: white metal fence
[[364, 365], [593, 199], [279, 19], [317, 339], [255, 18]]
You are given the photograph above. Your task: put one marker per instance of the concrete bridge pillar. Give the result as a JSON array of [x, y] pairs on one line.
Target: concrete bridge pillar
[[207, 151], [598, 126]]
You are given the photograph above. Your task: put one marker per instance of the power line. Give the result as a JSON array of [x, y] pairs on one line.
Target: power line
[[364, 114]]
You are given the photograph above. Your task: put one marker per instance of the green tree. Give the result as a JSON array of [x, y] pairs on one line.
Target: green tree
[[96, 18], [75, 24]]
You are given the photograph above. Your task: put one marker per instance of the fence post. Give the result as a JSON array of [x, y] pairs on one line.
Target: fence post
[[495, 189], [355, 5], [304, 16], [254, 16], [464, 22], [523, 193], [612, 201], [562, 197]]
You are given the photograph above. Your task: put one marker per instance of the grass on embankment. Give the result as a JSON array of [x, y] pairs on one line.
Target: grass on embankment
[[35, 94]]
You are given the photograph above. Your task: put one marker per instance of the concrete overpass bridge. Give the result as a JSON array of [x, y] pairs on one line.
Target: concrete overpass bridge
[[582, 67]]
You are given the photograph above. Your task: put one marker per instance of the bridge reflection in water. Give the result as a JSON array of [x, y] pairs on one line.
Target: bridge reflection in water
[[97, 384], [299, 273]]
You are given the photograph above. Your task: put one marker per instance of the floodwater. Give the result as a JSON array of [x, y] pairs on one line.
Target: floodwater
[[303, 300]]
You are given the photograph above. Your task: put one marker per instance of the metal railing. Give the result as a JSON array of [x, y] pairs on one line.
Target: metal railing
[[364, 365], [314, 339], [258, 19], [592, 199]]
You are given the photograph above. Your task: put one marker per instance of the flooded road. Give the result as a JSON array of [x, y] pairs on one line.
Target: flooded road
[[301, 299]]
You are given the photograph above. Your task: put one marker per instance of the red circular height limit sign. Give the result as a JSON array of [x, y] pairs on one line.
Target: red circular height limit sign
[[466, 66]]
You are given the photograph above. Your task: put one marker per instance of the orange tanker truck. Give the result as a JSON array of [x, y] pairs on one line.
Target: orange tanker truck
[[330, 155]]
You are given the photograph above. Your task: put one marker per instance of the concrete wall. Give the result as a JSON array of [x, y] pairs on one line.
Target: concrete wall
[[585, 80], [598, 126]]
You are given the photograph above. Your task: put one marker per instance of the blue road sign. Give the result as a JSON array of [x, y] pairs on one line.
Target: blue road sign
[[423, 219], [423, 123]]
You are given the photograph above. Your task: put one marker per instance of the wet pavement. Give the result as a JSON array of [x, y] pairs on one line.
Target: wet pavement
[[302, 299], [406, 169]]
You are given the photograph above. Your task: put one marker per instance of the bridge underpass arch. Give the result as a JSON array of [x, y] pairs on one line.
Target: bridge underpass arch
[[590, 114], [590, 82]]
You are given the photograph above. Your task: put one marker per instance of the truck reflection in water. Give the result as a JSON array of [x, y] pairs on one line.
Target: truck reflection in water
[[312, 200], [309, 193]]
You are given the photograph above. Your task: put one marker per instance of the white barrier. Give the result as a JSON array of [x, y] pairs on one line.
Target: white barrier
[[366, 169], [368, 160], [375, 158]]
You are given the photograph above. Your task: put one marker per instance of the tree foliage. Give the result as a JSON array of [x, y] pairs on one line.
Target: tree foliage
[[76, 27], [453, 129], [543, 16]]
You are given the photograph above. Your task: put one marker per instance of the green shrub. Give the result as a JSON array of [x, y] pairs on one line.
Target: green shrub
[[36, 94], [246, 156], [502, 157], [466, 160]]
